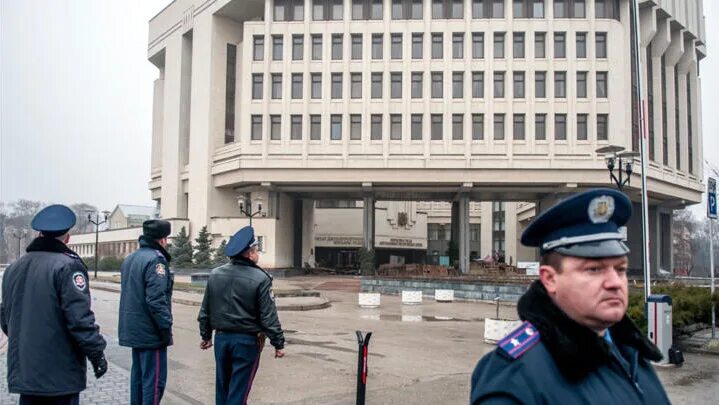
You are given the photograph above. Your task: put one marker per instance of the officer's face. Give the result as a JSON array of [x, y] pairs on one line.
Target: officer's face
[[593, 292]]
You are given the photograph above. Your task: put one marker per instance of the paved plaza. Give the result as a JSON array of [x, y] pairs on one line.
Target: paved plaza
[[418, 355]]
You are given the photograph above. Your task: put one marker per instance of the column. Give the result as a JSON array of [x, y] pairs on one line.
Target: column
[[462, 226], [368, 222]]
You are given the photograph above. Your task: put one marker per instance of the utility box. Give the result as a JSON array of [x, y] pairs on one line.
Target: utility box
[[659, 315]]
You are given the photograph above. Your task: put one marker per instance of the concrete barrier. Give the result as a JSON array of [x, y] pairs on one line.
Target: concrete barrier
[[444, 295], [369, 300], [497, 329], [411, 297]]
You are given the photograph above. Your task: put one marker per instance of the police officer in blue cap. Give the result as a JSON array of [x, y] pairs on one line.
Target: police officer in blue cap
[[240, 307], [576, 344], [46, 314], [145, 322]]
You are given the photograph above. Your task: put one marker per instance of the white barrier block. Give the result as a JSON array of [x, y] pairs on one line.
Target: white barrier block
[[444, 295], [411, 297], [369, 300], [497, 329]]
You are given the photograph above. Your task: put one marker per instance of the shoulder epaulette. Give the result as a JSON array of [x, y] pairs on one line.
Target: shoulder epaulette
[[158, 253], [72, 255], [520, 340]]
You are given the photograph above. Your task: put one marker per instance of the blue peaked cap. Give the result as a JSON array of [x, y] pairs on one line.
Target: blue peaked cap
[[583, 225], [241, 241], [54, 220]]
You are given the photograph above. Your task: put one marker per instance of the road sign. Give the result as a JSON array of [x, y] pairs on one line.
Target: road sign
[[712, 198]]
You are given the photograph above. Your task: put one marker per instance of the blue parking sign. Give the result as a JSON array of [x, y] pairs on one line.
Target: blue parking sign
[[712, 198]]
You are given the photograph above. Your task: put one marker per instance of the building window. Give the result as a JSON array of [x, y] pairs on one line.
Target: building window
[[396, 46], [296, 85], [356, 85], [376, 127], [560, 45], [528, 9], [277, 47], [356, 46], [602, 85], [540, 84], [376, 46], [437, 84], [355, 127], [395, 85], [581, 84], [540, 127], [497, 9], [499, 45], [275, 127], [258, 47], [578, 9], [417, 40], [457, 84], [560, 84], [296, 127], [601, 45], [606, 9], [288, 10], [335, 127], [498, 84], [458, 45], [560, 127], [256, 128], [395, 127], [437, 45], [581, 45], [602, 127], [398, 10], [560, 9], [582, 127], [323, 10], [518, 45], [457, 127], [518, 84], [416, 10], [315, 127], [540, 44], [518, 127], [316, 46], [442, 9], [367, 9], [276, 86], [230, 77], [336, 89], [416, 130], [257, 86], [336, 46], [436, 134], [477, 84], [478, 45], [376, 85], [316, 91], [298, 46], [417, 84], [498, 127], [477, 127], [569, 9]]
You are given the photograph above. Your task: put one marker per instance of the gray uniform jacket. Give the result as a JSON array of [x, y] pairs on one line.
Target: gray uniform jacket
[[239, 298], [46, 314]]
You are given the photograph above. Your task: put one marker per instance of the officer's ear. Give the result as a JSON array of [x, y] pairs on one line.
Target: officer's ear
[[548, 277]]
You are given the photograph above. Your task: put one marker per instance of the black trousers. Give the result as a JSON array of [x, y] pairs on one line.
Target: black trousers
[[71, 399]]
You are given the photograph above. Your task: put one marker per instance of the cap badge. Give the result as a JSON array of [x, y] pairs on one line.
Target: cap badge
[[601, 209]]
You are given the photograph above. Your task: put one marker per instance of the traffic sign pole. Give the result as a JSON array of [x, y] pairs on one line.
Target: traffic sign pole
[[712, 214]]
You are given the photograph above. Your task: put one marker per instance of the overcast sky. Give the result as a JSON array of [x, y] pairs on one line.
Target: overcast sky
[[76, 99]]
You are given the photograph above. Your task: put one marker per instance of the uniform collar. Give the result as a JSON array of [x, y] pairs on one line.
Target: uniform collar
[[48, 244], [576, 349], [150, 243]]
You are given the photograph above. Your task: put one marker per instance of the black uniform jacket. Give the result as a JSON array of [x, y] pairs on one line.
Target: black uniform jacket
[[239, 298], [568, 363], [146, 298], [46, 314]]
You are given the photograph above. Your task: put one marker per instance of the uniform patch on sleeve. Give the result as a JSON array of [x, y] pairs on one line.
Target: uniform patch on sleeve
[[520, 340], [160, 270], [79, 280]]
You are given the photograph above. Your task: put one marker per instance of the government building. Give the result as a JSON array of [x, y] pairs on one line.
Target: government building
[[406, 125]]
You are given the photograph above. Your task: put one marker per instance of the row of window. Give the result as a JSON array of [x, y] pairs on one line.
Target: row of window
[[337, 51], [436, 128], [333, 10], [436, 87]]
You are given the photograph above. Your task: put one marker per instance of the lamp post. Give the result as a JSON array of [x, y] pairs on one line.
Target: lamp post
[[97, 222], [621, 160], [246, 207], [19, 235]]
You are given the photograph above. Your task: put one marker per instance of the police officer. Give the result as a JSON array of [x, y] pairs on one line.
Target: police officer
[[46, 314], [576, 344], [239, 305], [145, 322]]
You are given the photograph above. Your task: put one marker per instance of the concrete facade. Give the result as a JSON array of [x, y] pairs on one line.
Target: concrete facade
[[236, 112]]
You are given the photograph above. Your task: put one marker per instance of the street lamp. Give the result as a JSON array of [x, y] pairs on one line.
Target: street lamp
[[246, 207], [621, 160], [97, 222], [20, 235]]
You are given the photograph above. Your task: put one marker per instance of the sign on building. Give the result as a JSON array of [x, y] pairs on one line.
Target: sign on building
[[712, 198]]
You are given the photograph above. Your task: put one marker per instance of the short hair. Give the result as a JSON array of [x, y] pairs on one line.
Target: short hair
[[553, 260]]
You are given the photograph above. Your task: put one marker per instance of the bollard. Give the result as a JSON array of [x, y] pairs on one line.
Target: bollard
[[362, 366]]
